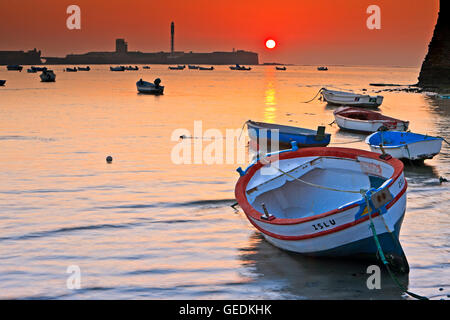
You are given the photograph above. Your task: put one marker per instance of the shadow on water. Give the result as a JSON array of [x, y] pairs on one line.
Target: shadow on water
[[420, 173], [300, 277]]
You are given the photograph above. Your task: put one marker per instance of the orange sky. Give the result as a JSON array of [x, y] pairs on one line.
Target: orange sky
[[307, 31]]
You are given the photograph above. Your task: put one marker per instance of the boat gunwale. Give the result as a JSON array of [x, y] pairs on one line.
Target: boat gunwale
[[264, 125], [337, 113], [251, 212]]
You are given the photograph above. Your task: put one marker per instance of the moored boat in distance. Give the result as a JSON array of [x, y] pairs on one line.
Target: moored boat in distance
[[177, 67], [350, 99], [74, 69], [405, 145], [14, 67], [363, 120], [119, 68], [206, 68], [327, 202], [193, 67], [150, 88], [280, 68], [266, 132], [130, 68], [145, 67], [2, 83], [322, 68], [36, 69], [84, 68], [48, 76], [239, 67]]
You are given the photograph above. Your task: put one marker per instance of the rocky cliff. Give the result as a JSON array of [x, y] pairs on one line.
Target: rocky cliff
[[435, 72]]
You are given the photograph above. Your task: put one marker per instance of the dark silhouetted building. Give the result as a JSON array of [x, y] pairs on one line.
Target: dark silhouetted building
[[121, 46], [20, 57]]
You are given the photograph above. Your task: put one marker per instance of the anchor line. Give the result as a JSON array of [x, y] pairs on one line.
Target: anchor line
[[318, 92], [372, 227], [381, 253], [352, 141]]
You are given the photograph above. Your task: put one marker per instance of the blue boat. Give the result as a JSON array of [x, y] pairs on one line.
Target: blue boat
[[287, 134], [405, 145]]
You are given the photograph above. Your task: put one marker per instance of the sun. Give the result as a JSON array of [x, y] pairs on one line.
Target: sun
[[270, 44]]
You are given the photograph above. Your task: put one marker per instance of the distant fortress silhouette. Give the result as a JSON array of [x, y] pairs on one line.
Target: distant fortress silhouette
[[123, 56]]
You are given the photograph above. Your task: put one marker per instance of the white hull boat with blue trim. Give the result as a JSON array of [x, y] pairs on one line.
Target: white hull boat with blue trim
[[308, 201], [350, 99], [405, 145]]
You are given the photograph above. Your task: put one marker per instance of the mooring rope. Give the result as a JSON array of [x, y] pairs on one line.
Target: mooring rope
[[381, 253], [352, 141], [372, 227], [318, 92]]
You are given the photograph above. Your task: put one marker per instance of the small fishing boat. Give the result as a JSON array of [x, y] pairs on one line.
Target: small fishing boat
[[71, 69], [239, 67], [48, 76], [130, 68], [84, 68], [36, 69], [329, 202], [280, 68], [363, 120], [2, 83], [206, 68], [177, 68], [193, 67], [145, 67], [119, 68], [14, 67], [322, 68], [150, 88], [350, 98], [260, 131], [405, 145]]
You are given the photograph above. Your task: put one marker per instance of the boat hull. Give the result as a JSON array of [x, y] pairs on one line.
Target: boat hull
[[420, 150], [367, 126], [350, 99], [2, 83], [285, 138], [150, 90]]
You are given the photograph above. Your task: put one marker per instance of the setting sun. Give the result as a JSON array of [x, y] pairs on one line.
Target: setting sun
[[270, 44]]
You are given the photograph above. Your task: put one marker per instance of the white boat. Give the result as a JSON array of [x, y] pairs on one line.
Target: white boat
[[48, 76], [150, 88], [405, 145], [241, 68], [363, 120], [308, 201], [350, 98], [119, 68], [177, 67]]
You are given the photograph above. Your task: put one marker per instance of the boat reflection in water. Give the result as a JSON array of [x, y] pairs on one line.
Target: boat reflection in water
[[293, 276]]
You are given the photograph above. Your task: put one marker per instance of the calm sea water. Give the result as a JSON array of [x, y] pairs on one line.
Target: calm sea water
[[143, 227]]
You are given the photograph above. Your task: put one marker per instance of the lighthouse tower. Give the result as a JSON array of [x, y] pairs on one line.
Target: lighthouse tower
[[172, 35]]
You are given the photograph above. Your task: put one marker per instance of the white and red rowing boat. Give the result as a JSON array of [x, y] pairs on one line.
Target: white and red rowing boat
[[301, 200], [363, 120]]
